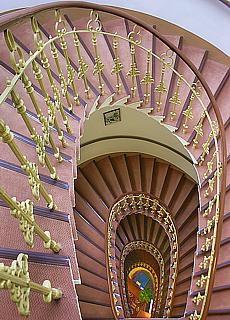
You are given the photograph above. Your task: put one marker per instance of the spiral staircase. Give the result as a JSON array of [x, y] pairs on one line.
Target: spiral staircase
[[96, 191], [83, 225]]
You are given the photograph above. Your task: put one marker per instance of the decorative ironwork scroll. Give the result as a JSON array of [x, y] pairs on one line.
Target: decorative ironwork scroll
[[16, 279]]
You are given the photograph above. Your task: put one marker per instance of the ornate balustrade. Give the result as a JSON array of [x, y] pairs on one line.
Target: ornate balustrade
[[148, 247], [23, 211], [145, 204], [16, 279], [55, 92]]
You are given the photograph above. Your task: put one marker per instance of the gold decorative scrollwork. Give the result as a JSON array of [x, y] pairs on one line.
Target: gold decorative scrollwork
[[19, 294], [167, 60], [147, 80], [195, 316], [201, 282], [16, 279], [199, 130], [30, 168], [118, 66], [175, 99], [94, 21], [196, 92], [34, 181], [206, 145], [210, 166], [98, 66], [210, 206], [23, 211], [60, 26], [205, 263], [70, 70], [133, 71], [83, 67], [25, 226], [135, 35], [16, 56], [37, 34], [211, 181]]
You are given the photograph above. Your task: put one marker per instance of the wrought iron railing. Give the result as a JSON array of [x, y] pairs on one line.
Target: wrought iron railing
[[16, 279], [65, 91], [151, 207]]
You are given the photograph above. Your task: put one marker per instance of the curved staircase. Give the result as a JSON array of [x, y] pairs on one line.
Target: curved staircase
[[65, 62], [100, 182]]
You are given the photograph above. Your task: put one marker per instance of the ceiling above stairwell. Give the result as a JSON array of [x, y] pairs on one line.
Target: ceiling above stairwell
[[136, 132]]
